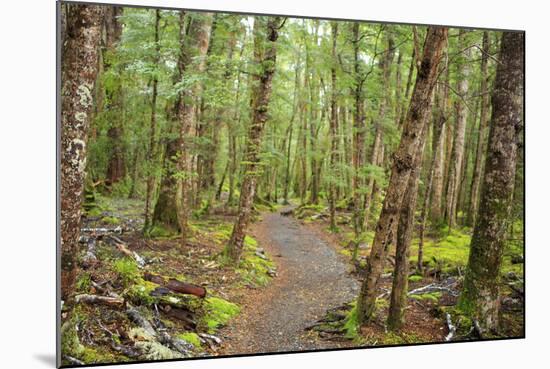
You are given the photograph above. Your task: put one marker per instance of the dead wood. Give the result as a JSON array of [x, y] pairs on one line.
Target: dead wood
[[176, 286], [451, 327], [96, 299]]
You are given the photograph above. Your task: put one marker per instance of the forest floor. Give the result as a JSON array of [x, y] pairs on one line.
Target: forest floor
[[294, 289]]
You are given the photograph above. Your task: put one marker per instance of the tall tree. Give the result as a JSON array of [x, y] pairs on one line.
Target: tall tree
[[266, 33], [193, 54], [116, 169], [153, 127], [80, 57], [436, 38], [480, 294], [481, 140], [457, 158], [333, 131]]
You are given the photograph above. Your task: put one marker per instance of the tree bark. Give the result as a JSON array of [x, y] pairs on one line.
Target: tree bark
[[333, 130], [481, 140], [265, 55], [116, 169], [79, 70], [405, 229], [480, 294], [457, 157], [152, 130], [193, 54], [403, 164]]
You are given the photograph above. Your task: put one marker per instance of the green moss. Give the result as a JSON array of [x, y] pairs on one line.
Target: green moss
[[217, 313], [94, 212], [345, 252], [447, 254], [250, 242], [111, 220], [127, 270], [192, 338], [159, 231], [140, 293], [415, 278], [351, 323], [83, 283], [432, 296]]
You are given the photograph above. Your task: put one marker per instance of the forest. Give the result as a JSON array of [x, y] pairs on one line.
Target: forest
[[235, 184]]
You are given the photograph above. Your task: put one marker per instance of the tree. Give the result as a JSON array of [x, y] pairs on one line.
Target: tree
[[333, 128], [481, 140], [455, 170], [480, 294], [403, 164], [266, 33], [192, 64], [116, 169], [153, 125], [80, 56]]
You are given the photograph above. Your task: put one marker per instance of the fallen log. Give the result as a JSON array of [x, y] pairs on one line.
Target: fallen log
[[96, 299], [432, 288], [287, 213], [176, 286], [180, 314], [102, 230]]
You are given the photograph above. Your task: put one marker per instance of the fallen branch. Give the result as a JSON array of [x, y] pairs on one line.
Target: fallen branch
[[451, 327], [122, 247], [74, 361], [432, 288], [176, 286], [96, 299], [102, 230]]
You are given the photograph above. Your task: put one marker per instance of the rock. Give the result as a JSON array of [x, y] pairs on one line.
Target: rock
[[517, 259]]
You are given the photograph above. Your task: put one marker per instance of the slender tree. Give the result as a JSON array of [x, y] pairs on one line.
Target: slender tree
[[436, 38], [266, 33]]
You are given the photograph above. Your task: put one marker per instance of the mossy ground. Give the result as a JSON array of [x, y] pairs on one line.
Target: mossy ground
[[86, 337]]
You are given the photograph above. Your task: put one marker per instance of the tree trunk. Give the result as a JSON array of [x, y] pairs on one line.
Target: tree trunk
[[440, 127], [79, 70], [116, 169], [358, 138], [480, 294], [333, 131], [481, 140], [403, 164], [405, 229], [192, 63], [457, 157], [379, 138], [152, 131], [265, 55]]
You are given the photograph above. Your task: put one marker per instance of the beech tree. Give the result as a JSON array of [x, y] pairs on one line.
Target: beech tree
[[80, 57], [266, 32], [434, 44], [480, 295]]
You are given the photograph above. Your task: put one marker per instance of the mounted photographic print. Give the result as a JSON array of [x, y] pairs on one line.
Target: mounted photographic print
[[235, 184]]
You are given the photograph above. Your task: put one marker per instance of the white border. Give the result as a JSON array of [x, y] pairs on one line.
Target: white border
[[27, 181]]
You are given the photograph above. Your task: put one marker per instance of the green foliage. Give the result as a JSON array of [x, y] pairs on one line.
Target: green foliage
[[111, 220]]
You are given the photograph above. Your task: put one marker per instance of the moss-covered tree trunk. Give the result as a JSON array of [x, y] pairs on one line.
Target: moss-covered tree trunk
[[152, 129], [480, 294], [192, 64], [79, 68], [405, 229], [266, 33], [436, 38]]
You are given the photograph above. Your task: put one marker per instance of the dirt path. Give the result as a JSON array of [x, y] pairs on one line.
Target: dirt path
[[312, 278]]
